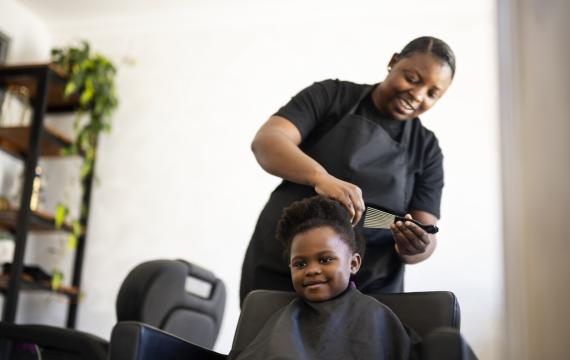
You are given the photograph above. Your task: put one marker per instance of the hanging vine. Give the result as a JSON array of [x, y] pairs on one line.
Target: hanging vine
[[91, 78]]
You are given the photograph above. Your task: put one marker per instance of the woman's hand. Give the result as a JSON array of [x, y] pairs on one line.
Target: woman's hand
[[414, 244], [346, 193], [276, 148]]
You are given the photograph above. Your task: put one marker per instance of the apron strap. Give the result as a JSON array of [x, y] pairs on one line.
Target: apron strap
[[320, 131]]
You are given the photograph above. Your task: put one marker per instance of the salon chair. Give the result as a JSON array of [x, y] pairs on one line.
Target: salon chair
[[173, 295], [435, 316]]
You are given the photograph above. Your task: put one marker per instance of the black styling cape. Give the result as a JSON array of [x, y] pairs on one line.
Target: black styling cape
[[351, 326]]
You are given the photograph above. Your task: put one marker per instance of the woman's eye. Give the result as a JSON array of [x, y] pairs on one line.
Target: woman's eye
[[412, 79]]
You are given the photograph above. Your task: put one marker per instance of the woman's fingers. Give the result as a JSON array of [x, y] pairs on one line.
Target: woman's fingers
[[404, 247], [357, 204], [354, 205], [410, 238], [346, 193], [417, 232], [347, 202]]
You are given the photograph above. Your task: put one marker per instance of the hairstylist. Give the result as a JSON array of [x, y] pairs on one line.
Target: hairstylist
[[358, 144]]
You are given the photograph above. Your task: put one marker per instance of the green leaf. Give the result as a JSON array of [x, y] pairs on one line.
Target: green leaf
[[77, 228], [92, 77], [85, 169], [90, 153], [71, 242], [86, 95], [69, 89], [60, 214], [56, 278]]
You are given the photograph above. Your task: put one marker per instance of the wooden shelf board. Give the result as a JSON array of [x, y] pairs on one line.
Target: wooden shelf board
[[14, 140], [56, 101], [28, 283], [39, 221], [55, 69]]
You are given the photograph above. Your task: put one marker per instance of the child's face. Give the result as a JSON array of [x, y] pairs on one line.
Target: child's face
[[321, 264]]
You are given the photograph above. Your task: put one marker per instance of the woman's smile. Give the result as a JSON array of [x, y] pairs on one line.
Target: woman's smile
[[403, 106]]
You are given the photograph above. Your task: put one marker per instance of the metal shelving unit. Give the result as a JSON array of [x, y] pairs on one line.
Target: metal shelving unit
[[45, 84]]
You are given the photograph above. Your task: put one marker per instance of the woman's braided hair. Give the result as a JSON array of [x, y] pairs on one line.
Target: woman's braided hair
[[434, 46]]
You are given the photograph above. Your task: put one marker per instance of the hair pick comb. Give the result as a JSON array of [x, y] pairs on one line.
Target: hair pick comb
[[379, 219]]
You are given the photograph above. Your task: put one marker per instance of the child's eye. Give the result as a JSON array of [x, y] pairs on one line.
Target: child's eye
[[326, 260], [299, 264]]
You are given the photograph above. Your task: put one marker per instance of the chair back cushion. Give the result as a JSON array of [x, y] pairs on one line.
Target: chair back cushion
[[424, 311], [157, 293]]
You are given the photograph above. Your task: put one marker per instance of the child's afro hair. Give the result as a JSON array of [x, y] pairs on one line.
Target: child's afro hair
[[314, 212]]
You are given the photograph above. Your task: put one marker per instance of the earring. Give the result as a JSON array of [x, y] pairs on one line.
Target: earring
[[389, 68]]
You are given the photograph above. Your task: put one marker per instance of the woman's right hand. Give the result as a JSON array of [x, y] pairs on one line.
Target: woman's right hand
[[346, 193], [276, 148]]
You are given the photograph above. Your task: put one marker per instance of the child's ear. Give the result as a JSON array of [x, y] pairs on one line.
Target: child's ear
[[355, 263]]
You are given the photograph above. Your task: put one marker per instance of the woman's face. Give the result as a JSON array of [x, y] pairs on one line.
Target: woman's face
[[321, 264], [413, 85]]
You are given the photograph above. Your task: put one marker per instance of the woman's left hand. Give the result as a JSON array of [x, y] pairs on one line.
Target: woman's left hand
[[413, 244]]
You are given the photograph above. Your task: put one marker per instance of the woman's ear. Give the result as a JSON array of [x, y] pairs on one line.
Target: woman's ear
[[355, 263], [395, 58]]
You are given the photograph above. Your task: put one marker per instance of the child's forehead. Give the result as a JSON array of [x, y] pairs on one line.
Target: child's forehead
[[318, 240]]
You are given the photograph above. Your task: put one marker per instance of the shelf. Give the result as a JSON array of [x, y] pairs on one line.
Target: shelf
[[28, 283], [15, 76], [44, 85], [14, 140], [39, 221]]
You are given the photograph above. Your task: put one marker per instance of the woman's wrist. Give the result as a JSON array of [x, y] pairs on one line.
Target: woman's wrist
[[317, 177]]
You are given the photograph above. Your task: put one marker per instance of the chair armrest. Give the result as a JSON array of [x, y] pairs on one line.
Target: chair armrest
[[446, 343], [59, 341], [132, 340]]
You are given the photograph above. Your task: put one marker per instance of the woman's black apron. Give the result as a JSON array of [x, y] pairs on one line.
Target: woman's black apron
[[359, 151]]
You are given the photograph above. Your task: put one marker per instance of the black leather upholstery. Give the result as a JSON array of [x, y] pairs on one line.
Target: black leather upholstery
[[424, 311], [154, 292], [60, 343], [448, 342], [132, 340], [433, 315]]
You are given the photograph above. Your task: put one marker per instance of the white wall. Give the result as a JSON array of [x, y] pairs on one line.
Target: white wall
[[177, 176], [30, 39]]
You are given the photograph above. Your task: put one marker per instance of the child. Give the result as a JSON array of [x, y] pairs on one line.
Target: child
[[330, 319]]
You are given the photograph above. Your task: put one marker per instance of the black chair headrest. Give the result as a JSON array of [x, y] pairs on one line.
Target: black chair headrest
[[161, 293]]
